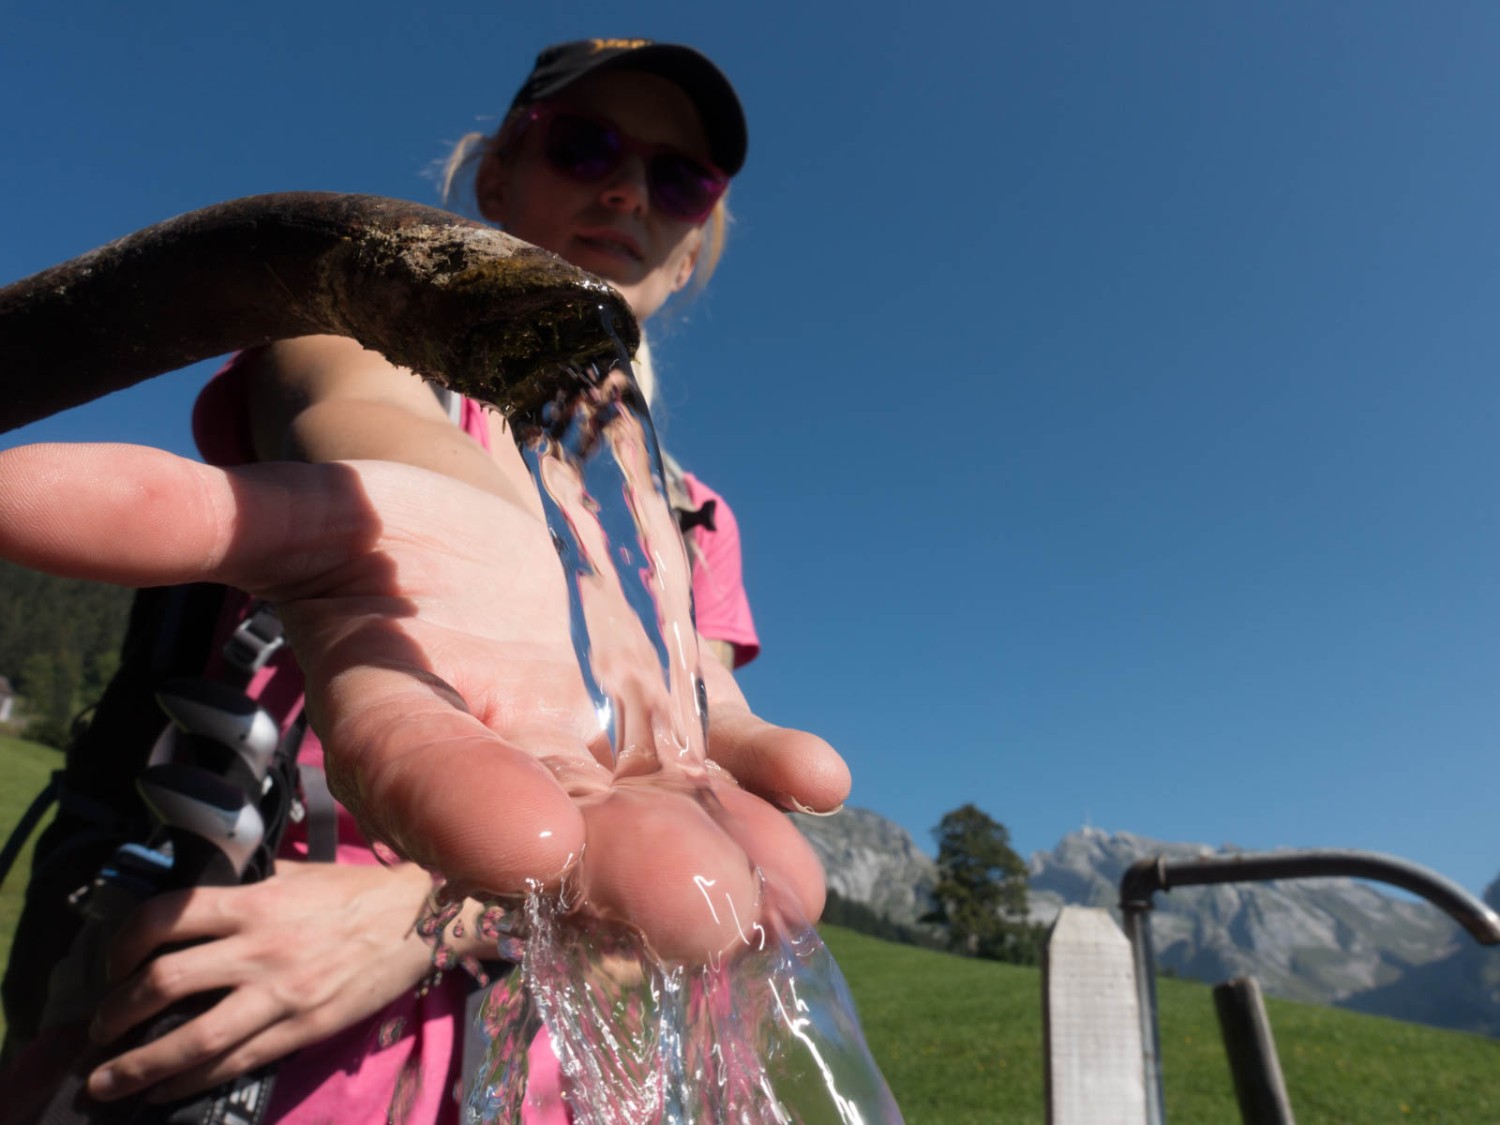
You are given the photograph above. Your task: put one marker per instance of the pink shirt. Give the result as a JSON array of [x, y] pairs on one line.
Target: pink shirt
[[721, 607]]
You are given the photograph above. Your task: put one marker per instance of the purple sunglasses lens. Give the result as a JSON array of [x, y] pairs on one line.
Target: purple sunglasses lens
[[683, 187], [582, 148], [589, 150]]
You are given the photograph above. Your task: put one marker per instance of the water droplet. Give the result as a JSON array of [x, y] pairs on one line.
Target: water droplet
[[386, 854]]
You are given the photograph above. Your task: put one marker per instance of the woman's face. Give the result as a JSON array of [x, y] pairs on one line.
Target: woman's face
[[607, 227]]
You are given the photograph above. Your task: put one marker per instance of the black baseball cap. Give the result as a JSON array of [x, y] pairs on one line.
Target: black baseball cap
[[562, 64]]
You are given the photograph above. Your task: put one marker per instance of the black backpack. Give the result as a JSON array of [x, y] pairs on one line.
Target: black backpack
[[102, 818]]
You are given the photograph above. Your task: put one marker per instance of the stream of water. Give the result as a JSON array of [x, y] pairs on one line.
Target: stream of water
[[762, 1031]]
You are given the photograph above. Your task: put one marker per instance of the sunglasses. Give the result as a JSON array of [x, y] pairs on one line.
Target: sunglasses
[[587, 149]]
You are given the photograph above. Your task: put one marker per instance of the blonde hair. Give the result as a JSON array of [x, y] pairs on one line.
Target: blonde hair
[[645, 372], [456, 176]]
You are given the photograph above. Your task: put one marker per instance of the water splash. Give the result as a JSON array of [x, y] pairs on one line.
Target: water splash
[[766, 1038], [763, 1033]]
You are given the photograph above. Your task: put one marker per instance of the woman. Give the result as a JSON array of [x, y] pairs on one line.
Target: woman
[[615, 154]]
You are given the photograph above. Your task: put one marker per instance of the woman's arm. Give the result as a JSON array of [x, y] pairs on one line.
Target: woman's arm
[[325, 398], [312, 399], [722, 651]]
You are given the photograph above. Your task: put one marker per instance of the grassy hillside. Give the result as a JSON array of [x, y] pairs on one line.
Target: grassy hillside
[[960, 1041], [24, 769]]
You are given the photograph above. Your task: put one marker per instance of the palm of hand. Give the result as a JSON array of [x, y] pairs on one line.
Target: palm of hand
[[430, 619], [454, 689]]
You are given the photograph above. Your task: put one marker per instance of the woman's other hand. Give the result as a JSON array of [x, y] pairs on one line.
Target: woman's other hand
[[300, 956]]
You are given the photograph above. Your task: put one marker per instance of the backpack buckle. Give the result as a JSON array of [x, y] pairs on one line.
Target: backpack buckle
[[255, 640]]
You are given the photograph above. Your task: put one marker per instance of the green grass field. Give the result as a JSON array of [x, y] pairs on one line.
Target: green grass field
[[24, 768], [960, 1041]]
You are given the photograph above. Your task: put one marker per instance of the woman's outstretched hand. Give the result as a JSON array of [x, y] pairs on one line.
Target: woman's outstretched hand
[[431, 621]]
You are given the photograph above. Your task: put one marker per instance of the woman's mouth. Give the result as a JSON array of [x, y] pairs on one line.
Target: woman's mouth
[[612, 243]]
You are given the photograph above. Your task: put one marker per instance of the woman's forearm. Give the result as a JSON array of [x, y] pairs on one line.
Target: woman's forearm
[[324, 398]]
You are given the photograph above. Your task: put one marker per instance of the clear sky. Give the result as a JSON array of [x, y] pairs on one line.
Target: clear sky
[[1106, 391]]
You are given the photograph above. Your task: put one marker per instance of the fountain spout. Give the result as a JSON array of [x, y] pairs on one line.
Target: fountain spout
[[431, 291]]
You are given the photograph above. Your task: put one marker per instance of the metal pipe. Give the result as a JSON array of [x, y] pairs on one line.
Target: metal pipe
[[1145, 877], [1137, 926], [451, 299]]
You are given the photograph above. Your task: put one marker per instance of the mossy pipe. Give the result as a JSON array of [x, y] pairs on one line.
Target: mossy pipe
[[488, 314]]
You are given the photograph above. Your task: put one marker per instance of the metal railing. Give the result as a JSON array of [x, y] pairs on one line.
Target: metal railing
[[1142, 880]]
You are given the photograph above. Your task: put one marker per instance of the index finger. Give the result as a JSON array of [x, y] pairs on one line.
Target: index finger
[[142, 517]]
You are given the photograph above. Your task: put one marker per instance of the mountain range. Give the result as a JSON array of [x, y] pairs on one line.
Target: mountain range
[[1331, 941]]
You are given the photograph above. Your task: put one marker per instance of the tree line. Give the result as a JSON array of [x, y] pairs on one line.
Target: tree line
[[59, 645]]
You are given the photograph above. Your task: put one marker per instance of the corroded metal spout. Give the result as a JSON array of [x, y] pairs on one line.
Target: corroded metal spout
[[451, 299]]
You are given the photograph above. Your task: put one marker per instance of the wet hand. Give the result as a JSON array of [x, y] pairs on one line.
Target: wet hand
[[431, 621]]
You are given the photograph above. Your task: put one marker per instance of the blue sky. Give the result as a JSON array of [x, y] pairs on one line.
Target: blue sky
[[1106, 391]]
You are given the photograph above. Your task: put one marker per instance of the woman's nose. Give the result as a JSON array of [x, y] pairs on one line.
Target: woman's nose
[[627, 189]]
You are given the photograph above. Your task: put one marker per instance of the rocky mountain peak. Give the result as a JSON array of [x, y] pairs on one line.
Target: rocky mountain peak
[[871, 860], [1324, 940]]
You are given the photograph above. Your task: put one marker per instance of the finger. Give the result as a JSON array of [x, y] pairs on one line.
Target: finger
[[162, 982], [208, 1036], [142, 517], [792, 769], [658, 862], [277, 1041], [790, 865], [427, 778], [253, 1053], [166, 919]]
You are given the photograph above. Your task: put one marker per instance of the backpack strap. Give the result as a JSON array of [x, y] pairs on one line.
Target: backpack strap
[[249, 648], [450, 400], [321, 813], [28, 822], [98, 806]]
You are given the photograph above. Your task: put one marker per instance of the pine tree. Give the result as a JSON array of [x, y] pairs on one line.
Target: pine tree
[[981, 889]]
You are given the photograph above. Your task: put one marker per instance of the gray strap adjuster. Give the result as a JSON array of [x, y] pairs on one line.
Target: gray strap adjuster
[[255, 640]]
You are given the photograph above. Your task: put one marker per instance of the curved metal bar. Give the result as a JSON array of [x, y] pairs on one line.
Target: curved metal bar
[[1145, 878], [451, 299], [1142, 879]]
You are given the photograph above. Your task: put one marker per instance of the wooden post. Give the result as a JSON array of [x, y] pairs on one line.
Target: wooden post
[[1092, 1027], [1258, 1085]]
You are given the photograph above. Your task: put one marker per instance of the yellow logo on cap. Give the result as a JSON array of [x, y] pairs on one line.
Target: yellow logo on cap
[[618, 44]]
